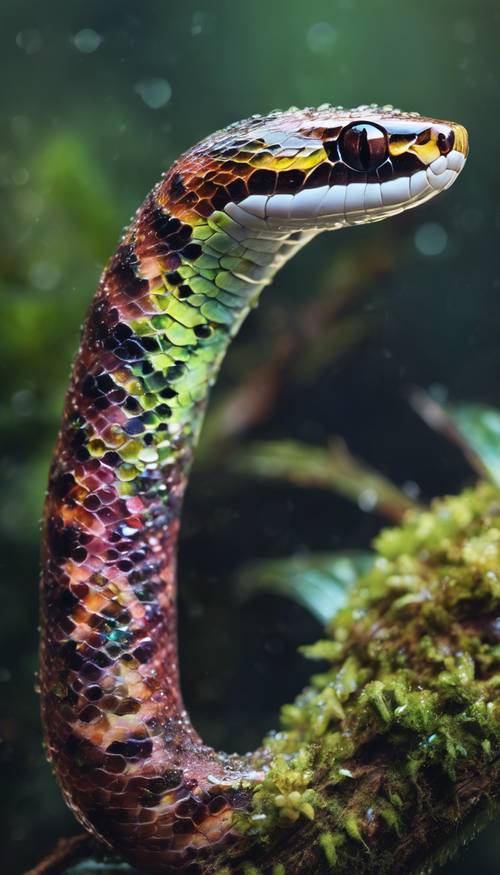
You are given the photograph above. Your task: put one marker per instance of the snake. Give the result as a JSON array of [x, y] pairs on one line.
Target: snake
[[227, 215]]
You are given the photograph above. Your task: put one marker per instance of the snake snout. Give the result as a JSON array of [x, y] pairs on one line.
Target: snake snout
[[442, 153], [451, 137], [461, 139]]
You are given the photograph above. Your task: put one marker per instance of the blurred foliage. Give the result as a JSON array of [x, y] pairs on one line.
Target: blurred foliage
[[332, 468], [320, 582], [479, 428], [98, 99]]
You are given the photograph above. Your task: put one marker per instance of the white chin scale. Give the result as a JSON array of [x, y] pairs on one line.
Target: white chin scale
[[358, 202]]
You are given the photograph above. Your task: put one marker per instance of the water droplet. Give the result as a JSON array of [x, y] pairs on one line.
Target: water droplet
[[154, 92], [87, 40], [20, 176], [411, 489], [431, 239], [201, 22], [45, 275], [367, 500], [213, 779], [30, 41], [321, 37]]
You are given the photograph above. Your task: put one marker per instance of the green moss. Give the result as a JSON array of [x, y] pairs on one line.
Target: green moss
[[328, 843], [283, 796], [412, 674], [351, 826]]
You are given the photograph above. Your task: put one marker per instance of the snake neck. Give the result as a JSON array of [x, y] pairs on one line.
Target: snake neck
[[169, 303]]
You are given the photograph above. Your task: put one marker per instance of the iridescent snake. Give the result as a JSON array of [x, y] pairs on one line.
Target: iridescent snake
[[214, 231]]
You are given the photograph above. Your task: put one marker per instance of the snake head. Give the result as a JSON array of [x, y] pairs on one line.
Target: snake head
[[317, 169]]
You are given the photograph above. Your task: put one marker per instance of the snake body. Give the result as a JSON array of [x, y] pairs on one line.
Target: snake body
[[204, 243]]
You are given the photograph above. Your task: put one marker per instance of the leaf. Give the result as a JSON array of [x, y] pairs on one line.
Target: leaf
[[319, 582], [67, 171], [475, 428], [479, 427], [331, 468]]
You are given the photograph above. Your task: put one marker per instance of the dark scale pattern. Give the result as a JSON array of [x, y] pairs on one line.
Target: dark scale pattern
[[181, 281]]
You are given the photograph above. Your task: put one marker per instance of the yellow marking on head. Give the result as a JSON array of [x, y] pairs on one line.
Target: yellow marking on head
[[398, 145], [299, 160], [426, 152]]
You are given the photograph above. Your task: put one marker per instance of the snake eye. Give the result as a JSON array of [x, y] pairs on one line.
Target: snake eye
[[363, 146]]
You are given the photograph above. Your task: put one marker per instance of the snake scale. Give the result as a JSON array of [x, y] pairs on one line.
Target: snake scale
[[207, 239]]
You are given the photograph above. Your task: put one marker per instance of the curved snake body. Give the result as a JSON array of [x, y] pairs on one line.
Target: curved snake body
[[200, 249]]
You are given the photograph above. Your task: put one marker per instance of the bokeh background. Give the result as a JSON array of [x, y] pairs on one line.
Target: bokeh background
[[97, 99]]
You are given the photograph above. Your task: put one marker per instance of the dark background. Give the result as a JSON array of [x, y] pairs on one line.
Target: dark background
[[97, 99]]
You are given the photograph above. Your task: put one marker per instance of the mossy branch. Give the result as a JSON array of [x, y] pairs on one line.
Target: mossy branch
[[390, 760]]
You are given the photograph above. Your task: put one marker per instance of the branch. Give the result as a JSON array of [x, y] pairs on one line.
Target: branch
[[66, 853], [390, 761], [334, 468]]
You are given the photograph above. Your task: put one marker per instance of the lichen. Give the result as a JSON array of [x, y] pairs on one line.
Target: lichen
[[408, 706]]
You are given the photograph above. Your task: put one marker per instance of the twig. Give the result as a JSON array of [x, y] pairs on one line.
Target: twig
[[66, 853], [436, 417], [333, 468]]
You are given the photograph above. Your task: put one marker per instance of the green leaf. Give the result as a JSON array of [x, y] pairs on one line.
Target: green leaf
[[319, 582], [479, 427], [333, 468], [475, 428]]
